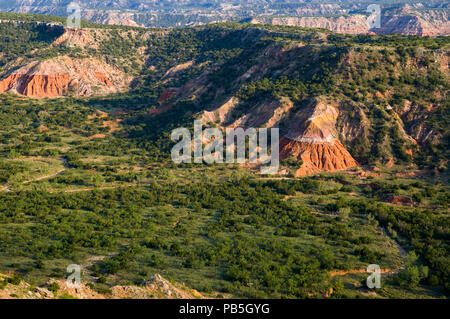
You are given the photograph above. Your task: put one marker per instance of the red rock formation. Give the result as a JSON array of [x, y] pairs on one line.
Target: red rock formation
[[407, 25], [102, 78], [317, 157], [58, 76], [45, 85], [312, 139], [355, 24], [78, 38], [36, 85], [8, 83]]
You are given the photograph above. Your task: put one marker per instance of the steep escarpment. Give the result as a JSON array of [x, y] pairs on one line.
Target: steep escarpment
[[52, 60], [354, 24], [336, 108], [63, 76], [410, 25], [404, 20], [410, 20], [313, 139], [36, 85], [81, 38], [111, 17], [317, 156]]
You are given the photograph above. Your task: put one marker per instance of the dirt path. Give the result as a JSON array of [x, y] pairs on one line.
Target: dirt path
[[385, 271], [40, 178], [400, 249], [179, 220], [7, 188], [88, 189]]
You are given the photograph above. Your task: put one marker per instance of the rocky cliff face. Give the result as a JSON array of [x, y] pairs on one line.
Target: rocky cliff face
[[403, 20], [77, 71], [355, 24], [317, 156], [312, 138], [63, 76], [36, 85], [327, 132], [411, 25], [111, 17], [78, 38]]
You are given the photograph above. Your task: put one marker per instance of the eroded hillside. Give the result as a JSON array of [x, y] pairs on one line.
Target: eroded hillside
[[88, 180], [403, 19], [340, 101]]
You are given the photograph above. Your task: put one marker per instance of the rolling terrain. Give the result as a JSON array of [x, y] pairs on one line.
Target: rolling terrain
[[86, 175]]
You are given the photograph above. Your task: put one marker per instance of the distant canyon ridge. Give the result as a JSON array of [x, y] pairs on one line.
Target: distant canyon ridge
[[403, 20], [423, 18]]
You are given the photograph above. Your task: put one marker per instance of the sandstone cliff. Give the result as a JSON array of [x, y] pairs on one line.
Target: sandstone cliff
[[354, 24], [62, 76], [312, 138], [397, 20]]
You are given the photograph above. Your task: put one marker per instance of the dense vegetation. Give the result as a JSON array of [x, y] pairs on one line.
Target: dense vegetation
[[71, 188], [18, 40], [242, 232]]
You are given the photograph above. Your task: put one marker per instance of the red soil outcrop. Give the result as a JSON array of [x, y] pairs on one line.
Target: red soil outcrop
[[355, 24], [79, 38], [312, 138], [102, 78], [404, 20], [316, 157], [63, 75], [36, 85]]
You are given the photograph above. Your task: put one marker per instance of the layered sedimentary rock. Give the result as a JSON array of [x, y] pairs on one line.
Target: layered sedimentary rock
[[355, 24], [77, 38], [63, 76], [397, 20], [111, 17], [312, 138], [411, 25], [317, 156], [36, 85]]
